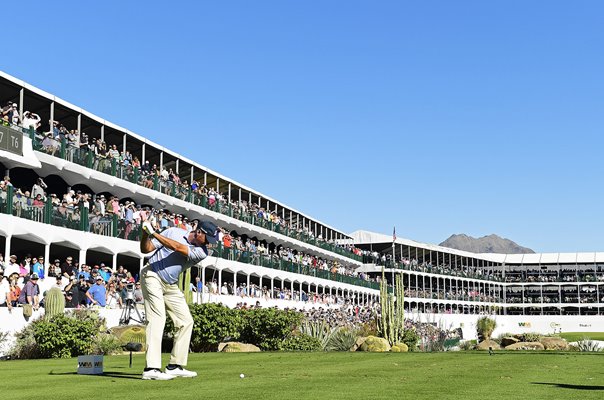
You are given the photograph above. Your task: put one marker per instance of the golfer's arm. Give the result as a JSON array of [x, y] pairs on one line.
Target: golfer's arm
[[171, 244], [146, 244]]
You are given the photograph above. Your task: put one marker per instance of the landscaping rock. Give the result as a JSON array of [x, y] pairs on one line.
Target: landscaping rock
[[485, 344], [526, 346], [554, 343], [509, 340], [236, 347], [400, 348], [375, 344], [358, 343]]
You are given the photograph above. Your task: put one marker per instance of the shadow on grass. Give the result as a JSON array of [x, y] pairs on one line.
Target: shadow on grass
[[567, 386], [109, 374]]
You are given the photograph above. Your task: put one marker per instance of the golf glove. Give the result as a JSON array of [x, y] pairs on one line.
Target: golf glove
[[147, 227]]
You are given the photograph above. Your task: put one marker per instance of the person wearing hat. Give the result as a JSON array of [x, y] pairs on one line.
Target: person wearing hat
[[30, 292], [97, 294], [12, 266], [174, 251]]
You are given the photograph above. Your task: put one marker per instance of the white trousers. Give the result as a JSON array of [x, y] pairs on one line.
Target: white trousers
[[161, 297]]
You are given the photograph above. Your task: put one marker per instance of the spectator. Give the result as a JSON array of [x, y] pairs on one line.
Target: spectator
[[97, 294], [4, 289], [12, 267], [30, 292]]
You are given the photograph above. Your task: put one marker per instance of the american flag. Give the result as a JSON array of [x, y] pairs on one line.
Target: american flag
[[394, 235]]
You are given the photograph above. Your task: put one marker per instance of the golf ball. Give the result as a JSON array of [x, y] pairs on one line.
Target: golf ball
[[241, 376]]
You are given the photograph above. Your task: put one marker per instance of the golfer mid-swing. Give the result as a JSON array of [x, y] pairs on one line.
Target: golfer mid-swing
[[175, 250]]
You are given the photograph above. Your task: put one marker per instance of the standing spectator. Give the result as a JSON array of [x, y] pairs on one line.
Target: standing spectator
[[39, 188], [4, 289], [12, 267], [67, 268], [97, 294], [31, 120], [38, 266], [30, 292]]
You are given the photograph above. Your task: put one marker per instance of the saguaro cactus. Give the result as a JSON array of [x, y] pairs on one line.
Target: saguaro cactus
[[54, 302], [184, 283], [392, 306]]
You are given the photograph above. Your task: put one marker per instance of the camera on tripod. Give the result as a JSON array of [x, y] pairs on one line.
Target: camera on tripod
[[129, 292]]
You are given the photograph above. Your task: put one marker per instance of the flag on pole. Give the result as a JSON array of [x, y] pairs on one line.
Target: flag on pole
[[393, 235]]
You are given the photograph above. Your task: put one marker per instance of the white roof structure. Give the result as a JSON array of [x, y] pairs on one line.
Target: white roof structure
[[144, 140], [366, 237]]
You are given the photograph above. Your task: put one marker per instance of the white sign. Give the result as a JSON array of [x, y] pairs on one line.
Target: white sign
[[90, 365]]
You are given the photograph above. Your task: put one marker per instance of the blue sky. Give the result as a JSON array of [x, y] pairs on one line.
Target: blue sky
[[437, 117]]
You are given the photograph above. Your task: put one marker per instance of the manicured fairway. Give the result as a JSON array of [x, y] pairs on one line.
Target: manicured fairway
[[460, 375], [576, 336]]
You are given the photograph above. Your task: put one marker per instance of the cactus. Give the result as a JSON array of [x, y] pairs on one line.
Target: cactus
[[54, 302], [184, 283], [391, 325]]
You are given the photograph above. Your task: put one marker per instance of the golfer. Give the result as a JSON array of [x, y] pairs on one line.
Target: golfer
[[175, 250]]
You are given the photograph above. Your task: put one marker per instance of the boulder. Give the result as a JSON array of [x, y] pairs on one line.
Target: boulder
[[400, 348], [526, 346], [485, 344], [554, 343], [375, 344], [360, 340], [236, 347], [509, 340]]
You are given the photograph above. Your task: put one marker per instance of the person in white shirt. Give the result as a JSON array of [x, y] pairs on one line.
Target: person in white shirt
[[4, 289], [12, 266]]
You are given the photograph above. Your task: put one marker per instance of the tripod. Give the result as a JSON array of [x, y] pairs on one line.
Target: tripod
[[126, 313]]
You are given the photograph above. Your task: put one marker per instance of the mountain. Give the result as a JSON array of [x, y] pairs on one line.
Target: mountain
[[485, 244]]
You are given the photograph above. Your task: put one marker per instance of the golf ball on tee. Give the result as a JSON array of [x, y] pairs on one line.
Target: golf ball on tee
[[241, 376]]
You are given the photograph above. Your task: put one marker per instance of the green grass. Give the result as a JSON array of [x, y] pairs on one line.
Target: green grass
[[457, 375], [576, 336]]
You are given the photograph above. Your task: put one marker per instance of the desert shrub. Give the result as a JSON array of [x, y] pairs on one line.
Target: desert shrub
[[106, 344], [342, 339], [500, 337], [467, 345], [301, 342], [267, 328], [411, 339], [317, 329], [60, 336], [369, 328], [212, 324], [588, 345], [531, 337], [485, 327]]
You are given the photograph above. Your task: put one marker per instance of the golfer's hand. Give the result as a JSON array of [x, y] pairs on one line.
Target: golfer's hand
[[147, 227]]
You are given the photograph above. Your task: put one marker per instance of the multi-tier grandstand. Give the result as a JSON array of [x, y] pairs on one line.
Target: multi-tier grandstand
[[77, 186]]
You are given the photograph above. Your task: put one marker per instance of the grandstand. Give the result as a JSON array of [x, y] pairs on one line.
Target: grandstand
[[93, 183]]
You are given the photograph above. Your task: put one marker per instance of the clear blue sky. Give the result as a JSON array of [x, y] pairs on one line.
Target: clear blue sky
[[437, 117]]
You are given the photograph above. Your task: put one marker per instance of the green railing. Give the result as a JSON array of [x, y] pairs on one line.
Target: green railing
[[275, 262], [78, 218], [131, 174]]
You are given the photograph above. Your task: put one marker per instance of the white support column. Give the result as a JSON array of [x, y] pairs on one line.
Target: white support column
[[248, 285], [219, 279], [82, 257], [7, 248], [114, 262], [21, 97], [161, 160], [272, 288], [192, 170], [102, 133], [235, 282], [52, 114], [124, 143], [143, 155], [177, 171], [46, 258]]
